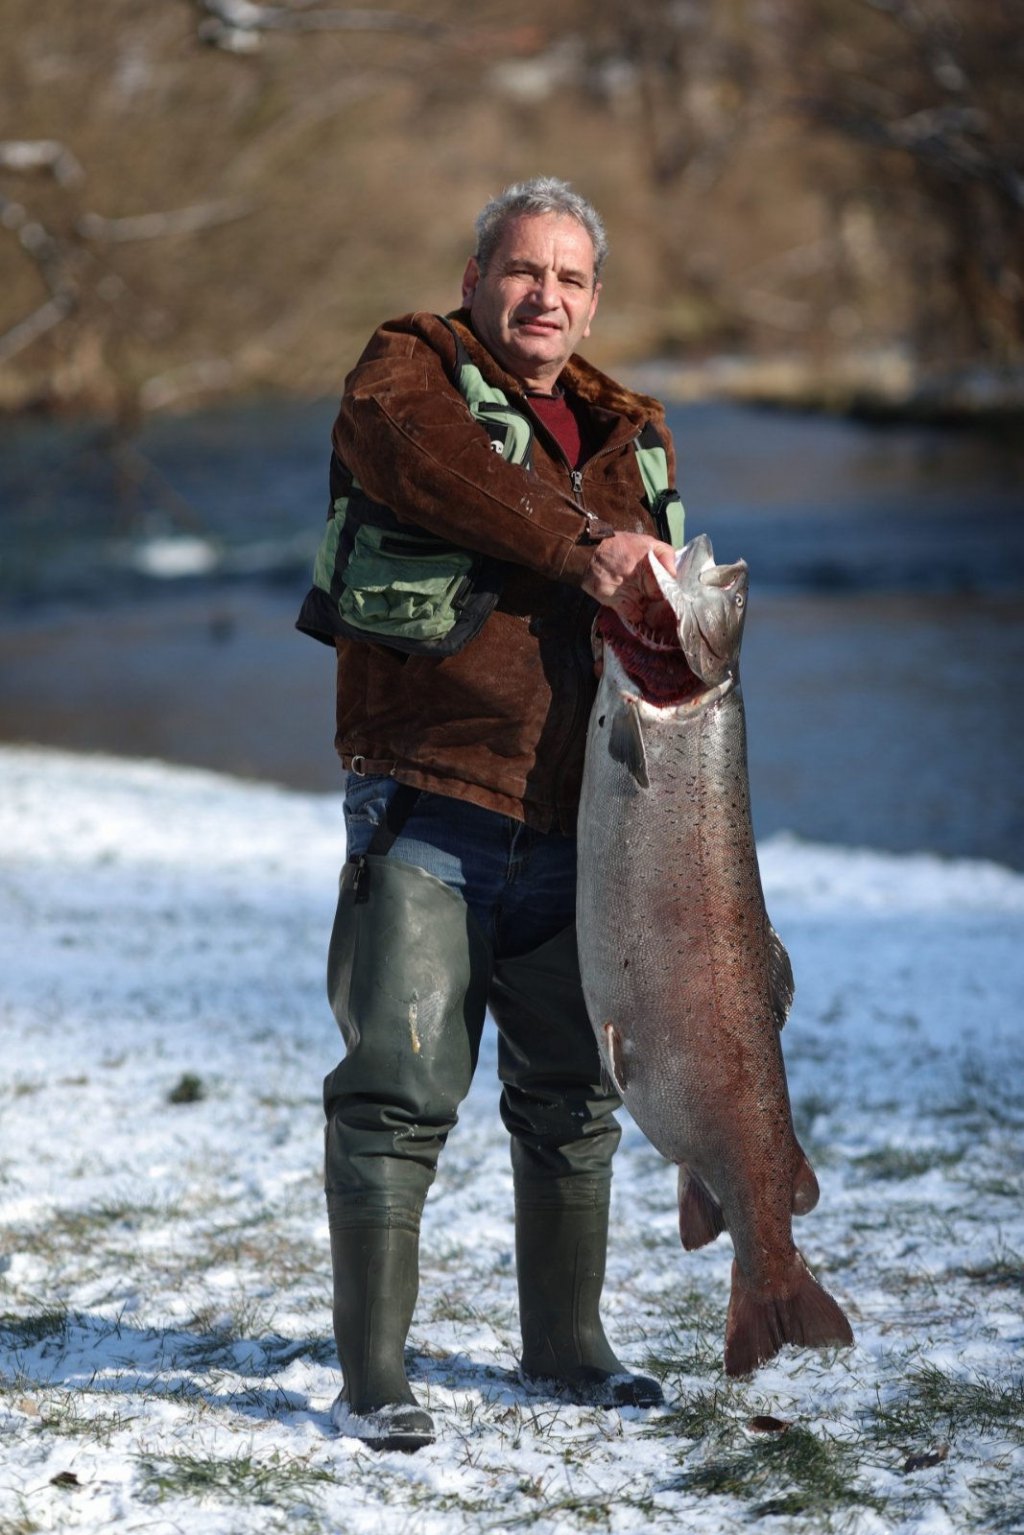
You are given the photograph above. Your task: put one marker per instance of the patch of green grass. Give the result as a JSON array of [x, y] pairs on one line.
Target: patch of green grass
[[1004, 1269], [22, 1089], [189, 1088], [274, 1480], [699, 1415], [984, 1101], [97, 1235], [979, 1404], [793, 1473], [936, 1405], [595, 1513], [21, 1332], [62, 1414], [994, 1188], [21, 1524], [693, 1338], [453, 1308], [896, 1163], [259, 1243], [996, 1505]]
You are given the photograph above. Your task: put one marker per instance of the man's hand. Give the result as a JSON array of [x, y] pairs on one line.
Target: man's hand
[[620, 577]]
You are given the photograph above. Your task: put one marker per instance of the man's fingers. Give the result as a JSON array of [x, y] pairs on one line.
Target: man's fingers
[[648, 580], [621, 574]]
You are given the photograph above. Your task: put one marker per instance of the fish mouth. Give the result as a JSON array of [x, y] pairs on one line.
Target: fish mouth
[[709, 603], [653, 660]]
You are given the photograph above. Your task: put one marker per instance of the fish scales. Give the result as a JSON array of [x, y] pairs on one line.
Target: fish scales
[[686, 984], [689, 897]]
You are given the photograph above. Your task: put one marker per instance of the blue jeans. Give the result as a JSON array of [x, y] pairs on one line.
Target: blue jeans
[[520, 884]]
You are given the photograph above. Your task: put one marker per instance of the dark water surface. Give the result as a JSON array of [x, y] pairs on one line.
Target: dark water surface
[[149, 592]]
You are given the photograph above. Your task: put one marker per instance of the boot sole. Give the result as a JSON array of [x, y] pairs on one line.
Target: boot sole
[[613, 1391], [398, 1426]]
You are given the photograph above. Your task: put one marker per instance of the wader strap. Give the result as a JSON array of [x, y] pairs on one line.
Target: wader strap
[[399, 808]]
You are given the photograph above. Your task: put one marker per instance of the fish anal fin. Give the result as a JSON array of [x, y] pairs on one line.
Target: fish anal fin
[[758, 1326], [700, 1215], [615, 1057], [626, 743], [780, 976], [806, 1192]]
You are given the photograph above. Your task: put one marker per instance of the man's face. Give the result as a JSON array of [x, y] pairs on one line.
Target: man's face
[[535, 302]]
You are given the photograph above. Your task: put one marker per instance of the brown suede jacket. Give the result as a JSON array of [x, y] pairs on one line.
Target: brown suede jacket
[[503, 721]]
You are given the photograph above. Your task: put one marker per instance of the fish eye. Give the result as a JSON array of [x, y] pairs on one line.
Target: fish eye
[[740, 599]]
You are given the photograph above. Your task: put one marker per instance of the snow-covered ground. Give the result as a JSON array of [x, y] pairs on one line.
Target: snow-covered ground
[[165, 1353]]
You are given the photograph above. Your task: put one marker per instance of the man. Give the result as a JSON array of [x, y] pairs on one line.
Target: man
[[487, 485]]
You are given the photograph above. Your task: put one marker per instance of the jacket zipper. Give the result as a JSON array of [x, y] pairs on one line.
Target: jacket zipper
[[576, 475], [576, 481], [559, 766]]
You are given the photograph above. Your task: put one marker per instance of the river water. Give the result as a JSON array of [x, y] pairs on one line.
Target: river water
[[148, 593]]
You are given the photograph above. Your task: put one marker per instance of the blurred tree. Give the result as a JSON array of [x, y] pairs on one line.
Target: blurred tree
[[931, 92], [219, 195], [701, 70]]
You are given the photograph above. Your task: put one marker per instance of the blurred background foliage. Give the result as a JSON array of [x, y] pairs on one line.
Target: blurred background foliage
[[813, 199]]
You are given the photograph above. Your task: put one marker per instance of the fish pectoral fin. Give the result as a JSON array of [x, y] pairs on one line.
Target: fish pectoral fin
[[805, 1188], [626, 743], [780, 975], [615, 1057], [700, 1215]]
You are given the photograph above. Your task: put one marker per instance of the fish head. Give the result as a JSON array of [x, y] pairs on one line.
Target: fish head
[[709, 603], [686, 651]]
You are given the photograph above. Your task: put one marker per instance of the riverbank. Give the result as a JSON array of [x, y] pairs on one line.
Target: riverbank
[[882, 385]]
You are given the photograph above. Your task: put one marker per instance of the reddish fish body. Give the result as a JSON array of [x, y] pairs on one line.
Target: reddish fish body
[[686, 982]]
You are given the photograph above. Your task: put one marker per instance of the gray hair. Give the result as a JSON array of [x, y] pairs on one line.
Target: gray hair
[[541, 194]]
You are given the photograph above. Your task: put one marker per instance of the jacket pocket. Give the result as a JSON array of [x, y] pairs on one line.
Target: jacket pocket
[[408, 588]]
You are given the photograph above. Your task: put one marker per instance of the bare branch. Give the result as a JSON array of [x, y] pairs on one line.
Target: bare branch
[[44, 250], [237, 25], [936, 137], [153, 226], [200, 376], [36, 324], [41, 154], [58, 259]]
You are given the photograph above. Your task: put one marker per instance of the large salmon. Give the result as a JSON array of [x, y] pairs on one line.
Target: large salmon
[[686, 982]]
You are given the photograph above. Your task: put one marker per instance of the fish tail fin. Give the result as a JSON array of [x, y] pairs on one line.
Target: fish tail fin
[[700, 1215], [758, 1326]]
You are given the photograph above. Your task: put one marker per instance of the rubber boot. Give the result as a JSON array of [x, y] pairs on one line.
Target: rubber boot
[[407, 979], [560, 1262], [561, 1117], [376, 1280]]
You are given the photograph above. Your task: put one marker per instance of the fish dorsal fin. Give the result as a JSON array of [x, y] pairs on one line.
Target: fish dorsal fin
[[780, 972], [626, 744]]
